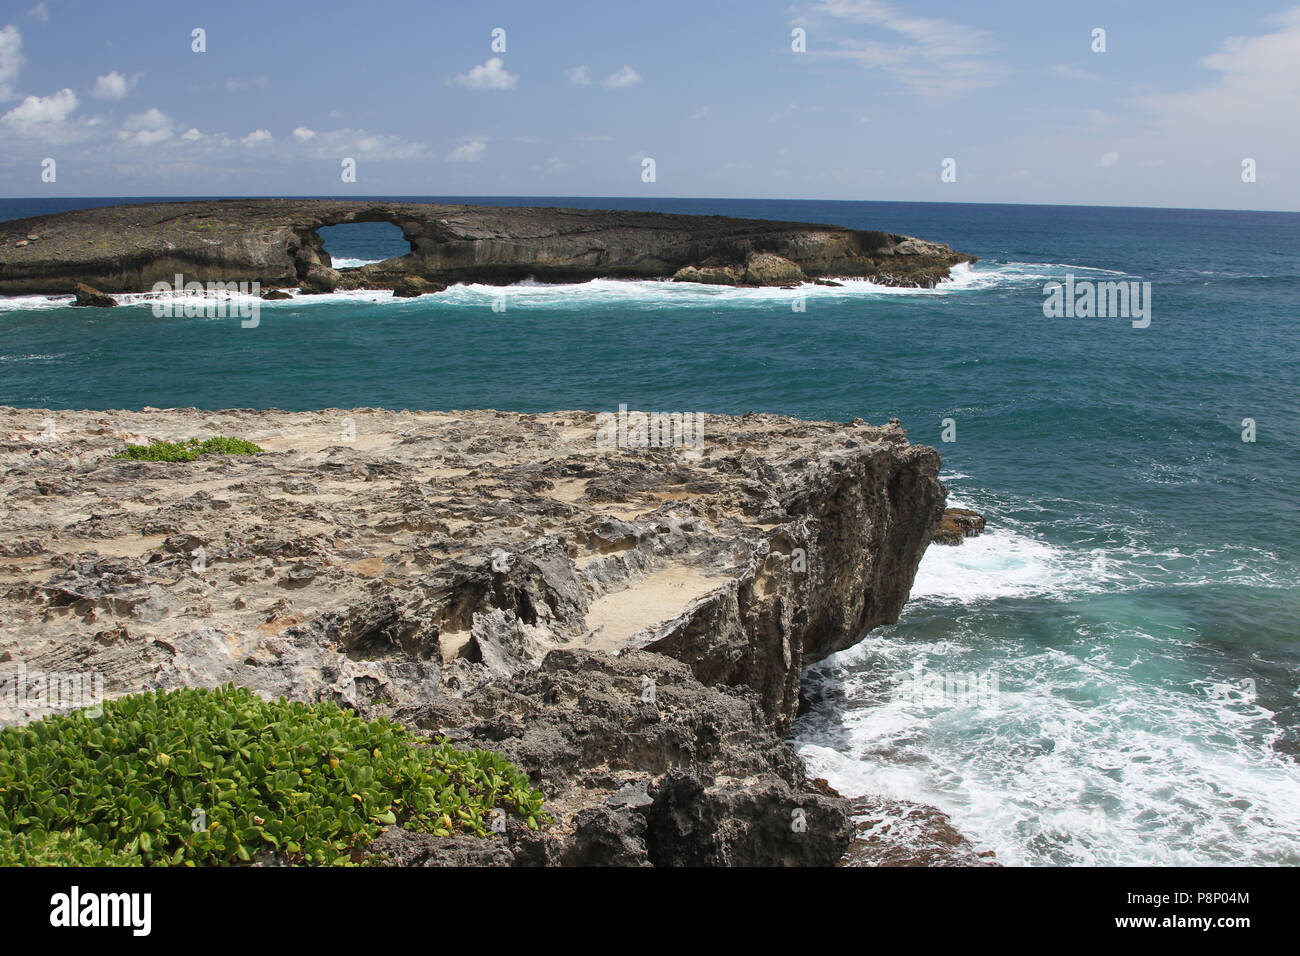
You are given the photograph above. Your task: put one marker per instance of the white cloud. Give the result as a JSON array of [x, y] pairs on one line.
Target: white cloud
[[258, 137], [578, 76], [1257, 80], [238, 84], [40, 12], [1074, 73], [556, 165], [1108, 159], [304, 135], [113, 86], [150, 119], [623, 77], [361, 143], [11, 60], [492, 75], [933, 58], [46, 119], [470, 152], [192, 135], [149, 128]]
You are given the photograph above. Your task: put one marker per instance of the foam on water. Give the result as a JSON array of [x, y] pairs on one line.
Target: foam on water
[[347, 263], [996, 564], [1076, 760], [34, 303], [1114, 737], [964, 277]]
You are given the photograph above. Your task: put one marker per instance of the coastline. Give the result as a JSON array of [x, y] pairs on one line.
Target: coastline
[[275, 243], [630, 625]]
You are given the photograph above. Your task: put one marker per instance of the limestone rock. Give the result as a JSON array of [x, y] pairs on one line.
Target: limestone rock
[[628, 626], [276, 242], [90, 296], [765, 268], [709, 275], [957, 525], [320, 280], [409, 287]]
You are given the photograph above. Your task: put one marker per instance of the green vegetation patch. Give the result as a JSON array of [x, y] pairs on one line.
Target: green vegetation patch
[[189, 449], [219, 776]]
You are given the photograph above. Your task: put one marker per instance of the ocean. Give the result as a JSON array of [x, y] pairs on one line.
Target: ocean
[[1108, 676]]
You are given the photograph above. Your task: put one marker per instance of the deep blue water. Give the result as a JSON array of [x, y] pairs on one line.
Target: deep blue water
[[1135, 596]]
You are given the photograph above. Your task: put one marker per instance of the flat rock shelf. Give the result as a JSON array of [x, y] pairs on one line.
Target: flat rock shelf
[[628, 625]]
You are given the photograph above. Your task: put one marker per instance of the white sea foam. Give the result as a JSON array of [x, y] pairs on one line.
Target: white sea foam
[[345, 263], [996, 564], [32, 303], [1118, 739], [645, 292], [1083, 760]]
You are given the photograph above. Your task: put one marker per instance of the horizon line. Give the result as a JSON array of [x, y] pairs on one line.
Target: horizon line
[[398, 196]]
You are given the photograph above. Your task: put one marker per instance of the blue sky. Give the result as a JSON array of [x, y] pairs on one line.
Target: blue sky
[[712, 91]]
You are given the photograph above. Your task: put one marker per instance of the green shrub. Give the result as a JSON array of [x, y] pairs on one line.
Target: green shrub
[[189, 449], [218, 776], [38, 848]]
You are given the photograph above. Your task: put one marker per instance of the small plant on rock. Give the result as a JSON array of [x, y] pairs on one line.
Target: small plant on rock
[[221, 776], [189, 449]]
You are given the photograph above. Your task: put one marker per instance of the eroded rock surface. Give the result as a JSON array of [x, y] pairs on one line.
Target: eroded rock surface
[[957, 525], [274, 242], [628, 625]]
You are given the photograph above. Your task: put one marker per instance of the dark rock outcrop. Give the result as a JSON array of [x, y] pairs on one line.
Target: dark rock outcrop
[[687, 775], [899, 833], [275, 242], [957, 525], [92, 297]]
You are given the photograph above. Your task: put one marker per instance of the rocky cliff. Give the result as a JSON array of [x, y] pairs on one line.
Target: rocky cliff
[[275, 242], [627, 624]]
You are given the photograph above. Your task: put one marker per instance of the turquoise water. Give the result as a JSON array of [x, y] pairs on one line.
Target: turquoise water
[[1135, 596]]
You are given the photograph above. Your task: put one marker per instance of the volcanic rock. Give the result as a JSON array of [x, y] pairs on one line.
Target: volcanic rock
[[275, 242]]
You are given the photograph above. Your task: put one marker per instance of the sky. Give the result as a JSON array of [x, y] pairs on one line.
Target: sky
[[1191, 103]]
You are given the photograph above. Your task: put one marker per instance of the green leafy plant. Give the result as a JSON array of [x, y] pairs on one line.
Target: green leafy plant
[[221, 776], [39, 848], [189, 449]]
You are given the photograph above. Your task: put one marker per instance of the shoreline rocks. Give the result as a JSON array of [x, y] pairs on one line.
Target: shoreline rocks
[[957, 525], [275, 242], [90, 297], [628, 625]]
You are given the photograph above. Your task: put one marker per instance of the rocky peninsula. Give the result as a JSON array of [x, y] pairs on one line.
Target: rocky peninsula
[[121, 249], [628, 625]]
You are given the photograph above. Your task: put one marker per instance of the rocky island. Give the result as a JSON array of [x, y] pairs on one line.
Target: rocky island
[[120, 249], [627, 625]]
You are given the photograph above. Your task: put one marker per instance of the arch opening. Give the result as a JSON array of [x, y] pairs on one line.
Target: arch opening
[[355, 244]]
